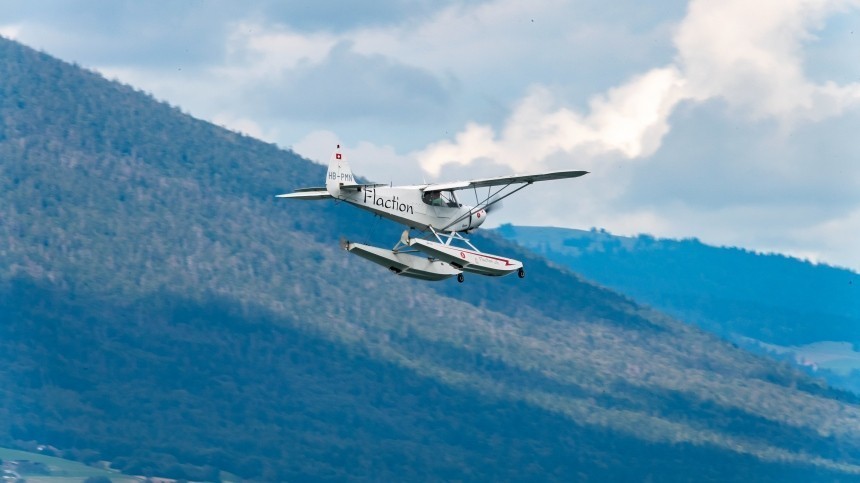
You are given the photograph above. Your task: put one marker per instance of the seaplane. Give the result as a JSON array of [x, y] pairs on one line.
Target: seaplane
[[440, 250]]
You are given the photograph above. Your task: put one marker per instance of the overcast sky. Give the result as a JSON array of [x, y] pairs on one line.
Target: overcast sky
[[733, 121]]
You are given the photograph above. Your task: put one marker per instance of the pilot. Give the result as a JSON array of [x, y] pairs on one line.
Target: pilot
[[435, 198]]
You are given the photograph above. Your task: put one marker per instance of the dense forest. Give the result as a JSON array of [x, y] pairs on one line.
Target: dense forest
[[159, 309], [741, 295]]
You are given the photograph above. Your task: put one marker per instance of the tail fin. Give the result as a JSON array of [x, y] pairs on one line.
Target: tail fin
[[339, 173]]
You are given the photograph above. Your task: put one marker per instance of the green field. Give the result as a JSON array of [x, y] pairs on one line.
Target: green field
[[62, 470]]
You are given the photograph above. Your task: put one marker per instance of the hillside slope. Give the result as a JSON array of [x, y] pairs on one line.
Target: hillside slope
[[772, 303], [161, 310]]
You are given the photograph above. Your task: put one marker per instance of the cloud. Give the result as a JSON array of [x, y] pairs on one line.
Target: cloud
[[10, 31], [833, 239], [320, 77], [296, 83], [442, 63], [347, 15], [407, 83], [750, 55], [123, 32], [317, 146], [747, 56], [346, 84], [628, 120], [258, 50]]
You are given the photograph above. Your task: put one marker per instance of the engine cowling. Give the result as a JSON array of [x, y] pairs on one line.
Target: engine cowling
[[477, 219]]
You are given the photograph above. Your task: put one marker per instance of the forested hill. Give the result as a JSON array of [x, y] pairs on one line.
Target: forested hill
[[780, 304], [161, 310]]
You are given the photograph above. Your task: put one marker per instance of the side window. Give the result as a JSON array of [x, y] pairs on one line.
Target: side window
[[440, 198], [433, 198]]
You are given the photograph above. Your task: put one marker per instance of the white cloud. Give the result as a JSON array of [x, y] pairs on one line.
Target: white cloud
[[317, 146], [629, 120], [748, 55], [833, 239], [275, 63], [10, 31], [257, 50]]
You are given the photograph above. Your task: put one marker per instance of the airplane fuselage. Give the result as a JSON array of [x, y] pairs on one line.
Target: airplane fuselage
[[410, 206]]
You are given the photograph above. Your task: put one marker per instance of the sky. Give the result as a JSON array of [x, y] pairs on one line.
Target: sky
[[730, 121]]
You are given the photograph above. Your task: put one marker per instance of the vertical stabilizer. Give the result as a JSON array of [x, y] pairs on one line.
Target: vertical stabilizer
[[339, 173]]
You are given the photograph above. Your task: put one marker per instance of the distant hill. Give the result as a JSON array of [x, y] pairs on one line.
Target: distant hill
[[162, 311], [778, 304]]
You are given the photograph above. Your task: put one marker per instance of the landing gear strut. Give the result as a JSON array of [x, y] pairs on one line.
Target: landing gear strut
[[460, 277], [521, 273]]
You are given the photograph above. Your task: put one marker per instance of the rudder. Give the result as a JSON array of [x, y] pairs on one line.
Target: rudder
[[339, 173]]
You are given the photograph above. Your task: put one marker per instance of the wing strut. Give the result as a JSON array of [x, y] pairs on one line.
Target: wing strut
[[490, 200]]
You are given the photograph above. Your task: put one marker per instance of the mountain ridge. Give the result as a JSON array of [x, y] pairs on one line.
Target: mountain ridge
[[153, 287], [769, 303]]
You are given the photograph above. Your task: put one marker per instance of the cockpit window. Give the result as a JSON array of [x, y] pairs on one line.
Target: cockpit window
[[441, 198]]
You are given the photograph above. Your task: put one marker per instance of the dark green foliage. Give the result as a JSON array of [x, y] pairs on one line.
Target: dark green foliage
[[162, 311], [270, 402], [729, 291], [773, 298]]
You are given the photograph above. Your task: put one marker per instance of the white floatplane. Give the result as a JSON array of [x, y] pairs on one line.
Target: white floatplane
[[435, 212]]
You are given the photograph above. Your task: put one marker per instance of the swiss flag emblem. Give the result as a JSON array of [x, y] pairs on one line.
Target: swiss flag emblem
[[337, 156]]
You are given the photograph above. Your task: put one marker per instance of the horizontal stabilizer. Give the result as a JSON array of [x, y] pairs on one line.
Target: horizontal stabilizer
[[359, 187], [307, 194]]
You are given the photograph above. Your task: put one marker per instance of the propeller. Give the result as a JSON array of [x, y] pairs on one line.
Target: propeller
[[494, 203], [494, 207]]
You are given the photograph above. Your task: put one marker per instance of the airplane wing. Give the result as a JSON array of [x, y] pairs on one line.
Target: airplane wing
[[508, 186], [504, 180]]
